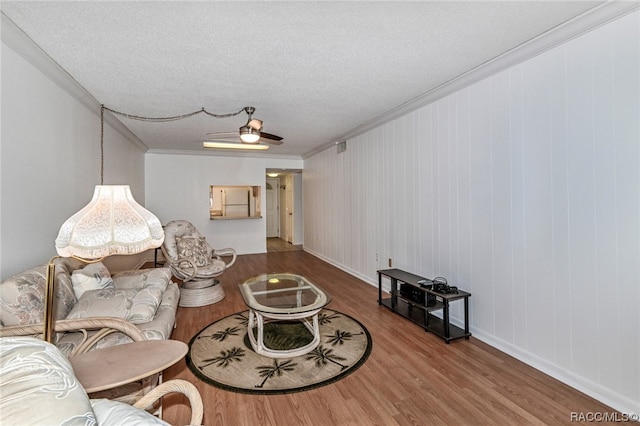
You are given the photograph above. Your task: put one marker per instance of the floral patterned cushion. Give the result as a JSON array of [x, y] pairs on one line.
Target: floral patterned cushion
[[174, 230], [39, 386], [136, 305], [159, 328], [22, 296], [215, 266], [195, 249]]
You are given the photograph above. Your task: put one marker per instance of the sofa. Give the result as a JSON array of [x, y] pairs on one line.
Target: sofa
[[132, 305], [39, 388]]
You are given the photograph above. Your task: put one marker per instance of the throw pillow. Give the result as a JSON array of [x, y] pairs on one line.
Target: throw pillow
[[22, 297], [94, 276], [195, 249]]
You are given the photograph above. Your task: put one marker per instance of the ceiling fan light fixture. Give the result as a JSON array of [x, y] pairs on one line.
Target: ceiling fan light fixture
[[254, 123], [233, 145], [249, 135]]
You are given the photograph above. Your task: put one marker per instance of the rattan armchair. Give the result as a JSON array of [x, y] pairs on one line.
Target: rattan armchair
[[193, 261]]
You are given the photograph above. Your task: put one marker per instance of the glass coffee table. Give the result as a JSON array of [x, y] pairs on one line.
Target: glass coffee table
[[282, 297]]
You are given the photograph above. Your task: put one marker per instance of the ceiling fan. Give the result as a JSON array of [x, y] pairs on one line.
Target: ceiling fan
[[250, 133]]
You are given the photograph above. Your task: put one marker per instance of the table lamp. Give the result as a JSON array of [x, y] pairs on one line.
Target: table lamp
[[112, 223]]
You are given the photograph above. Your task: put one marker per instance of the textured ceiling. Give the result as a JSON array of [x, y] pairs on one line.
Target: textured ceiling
[[313, 70]]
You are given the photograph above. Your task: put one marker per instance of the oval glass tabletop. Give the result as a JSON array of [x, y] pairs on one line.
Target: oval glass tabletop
[[283, 293]]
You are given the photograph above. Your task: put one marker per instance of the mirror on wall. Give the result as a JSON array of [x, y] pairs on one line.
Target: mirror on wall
[[234, 202]]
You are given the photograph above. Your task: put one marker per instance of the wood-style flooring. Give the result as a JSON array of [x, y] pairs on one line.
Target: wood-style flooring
[[278, 244], [411, 377]]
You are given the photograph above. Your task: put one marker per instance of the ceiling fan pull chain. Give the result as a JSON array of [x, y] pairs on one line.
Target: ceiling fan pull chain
[[232, 114], [173, 118]]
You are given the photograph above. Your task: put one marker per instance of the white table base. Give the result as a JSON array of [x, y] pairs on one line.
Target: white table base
[[309, 319]]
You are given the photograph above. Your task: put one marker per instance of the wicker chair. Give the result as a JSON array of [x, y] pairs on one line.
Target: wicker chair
[[92, 330], [193, 261]]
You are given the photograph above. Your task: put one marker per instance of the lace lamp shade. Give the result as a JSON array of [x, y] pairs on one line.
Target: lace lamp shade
[[112, 223]]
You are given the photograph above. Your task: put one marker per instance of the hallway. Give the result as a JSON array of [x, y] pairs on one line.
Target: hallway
[[276, 244]]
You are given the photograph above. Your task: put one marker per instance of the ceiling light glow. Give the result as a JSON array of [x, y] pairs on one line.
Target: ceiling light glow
[[232, 145]]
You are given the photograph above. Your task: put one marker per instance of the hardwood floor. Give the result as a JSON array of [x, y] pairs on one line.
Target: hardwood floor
[[278, 244], [411, 377]]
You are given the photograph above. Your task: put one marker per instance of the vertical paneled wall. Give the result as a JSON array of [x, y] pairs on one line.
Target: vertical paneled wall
[[523, 189]]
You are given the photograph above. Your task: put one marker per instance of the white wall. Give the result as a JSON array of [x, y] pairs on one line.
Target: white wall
[[50, 153], [178, 188], [524, 189]]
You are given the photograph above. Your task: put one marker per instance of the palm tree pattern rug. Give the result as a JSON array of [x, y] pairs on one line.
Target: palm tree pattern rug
[[221, 354]]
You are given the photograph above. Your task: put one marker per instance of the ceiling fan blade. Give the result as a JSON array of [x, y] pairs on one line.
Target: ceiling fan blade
[[222, 139], [252, 128], [223, 134], [266, 135], [233, 137], [270, 141]]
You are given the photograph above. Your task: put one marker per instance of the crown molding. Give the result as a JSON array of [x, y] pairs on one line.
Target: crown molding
[[18, 41], [581, 24]]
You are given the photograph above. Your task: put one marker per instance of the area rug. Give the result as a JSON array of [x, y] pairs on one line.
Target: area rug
[[221, 354]]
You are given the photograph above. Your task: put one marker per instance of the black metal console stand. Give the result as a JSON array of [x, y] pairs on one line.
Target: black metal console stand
[[433, 301]]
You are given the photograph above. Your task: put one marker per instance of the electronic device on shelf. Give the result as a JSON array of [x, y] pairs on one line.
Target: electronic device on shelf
[[409, 292], [425, 283], [441, 286]]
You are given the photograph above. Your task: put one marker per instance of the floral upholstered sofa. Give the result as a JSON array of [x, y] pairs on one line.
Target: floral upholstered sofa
[[137, 305]]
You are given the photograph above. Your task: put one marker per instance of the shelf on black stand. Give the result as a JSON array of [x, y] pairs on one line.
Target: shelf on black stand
[[415, 313], [410, 300], [406, 310]]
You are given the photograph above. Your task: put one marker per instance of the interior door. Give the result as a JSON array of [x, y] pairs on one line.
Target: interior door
[[289, 203], [273, 230]]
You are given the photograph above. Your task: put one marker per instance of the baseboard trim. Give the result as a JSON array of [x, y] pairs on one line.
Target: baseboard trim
[[607, 396], [613, 399], [342, 267]]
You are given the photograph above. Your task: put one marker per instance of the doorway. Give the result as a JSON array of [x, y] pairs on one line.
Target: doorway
[[273, 206], [284, 208]]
